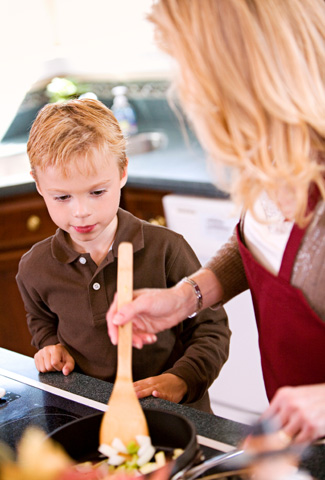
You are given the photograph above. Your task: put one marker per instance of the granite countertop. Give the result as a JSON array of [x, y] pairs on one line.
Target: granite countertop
[[213, 433], [22, 368]]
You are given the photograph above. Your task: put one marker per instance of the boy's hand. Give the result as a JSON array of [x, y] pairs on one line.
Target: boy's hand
[[54, 358], [166, 386]]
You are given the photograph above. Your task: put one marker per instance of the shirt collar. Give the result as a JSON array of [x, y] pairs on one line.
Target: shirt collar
[[129, 229]]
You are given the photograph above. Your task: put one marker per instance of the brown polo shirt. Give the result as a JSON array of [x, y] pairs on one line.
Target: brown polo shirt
[[66, 297]]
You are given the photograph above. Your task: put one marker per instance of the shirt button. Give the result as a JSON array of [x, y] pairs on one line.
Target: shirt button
[[82, 260], [96, 286]]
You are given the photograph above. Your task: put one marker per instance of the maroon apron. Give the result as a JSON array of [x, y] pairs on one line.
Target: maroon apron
[[291, 335]]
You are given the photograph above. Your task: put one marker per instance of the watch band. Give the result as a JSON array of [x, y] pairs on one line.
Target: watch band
[[198, 294]]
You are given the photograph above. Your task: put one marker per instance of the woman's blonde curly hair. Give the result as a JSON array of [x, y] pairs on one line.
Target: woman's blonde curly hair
[[251, 80]]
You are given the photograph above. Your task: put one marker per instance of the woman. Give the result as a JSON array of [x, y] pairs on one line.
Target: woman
[[251, 80]]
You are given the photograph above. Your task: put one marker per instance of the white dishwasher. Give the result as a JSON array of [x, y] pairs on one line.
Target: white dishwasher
[[206, 223]]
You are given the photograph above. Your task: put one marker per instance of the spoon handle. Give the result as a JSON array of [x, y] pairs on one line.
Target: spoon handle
[[124, 295]]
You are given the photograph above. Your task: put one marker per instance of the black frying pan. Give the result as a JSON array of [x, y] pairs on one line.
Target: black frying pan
[[168, 431]]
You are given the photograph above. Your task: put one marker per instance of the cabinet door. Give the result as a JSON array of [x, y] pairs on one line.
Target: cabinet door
[[14, 333], [24, 221], [144, 203]]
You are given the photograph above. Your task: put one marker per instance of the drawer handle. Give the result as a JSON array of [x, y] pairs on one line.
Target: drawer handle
[[159, 220], [33, 223]]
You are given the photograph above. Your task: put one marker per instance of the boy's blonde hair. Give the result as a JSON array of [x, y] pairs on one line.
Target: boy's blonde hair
[[68, 134], [251, 80]]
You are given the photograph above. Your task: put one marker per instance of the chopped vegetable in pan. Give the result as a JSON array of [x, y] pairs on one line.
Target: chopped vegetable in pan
[[138, 456]]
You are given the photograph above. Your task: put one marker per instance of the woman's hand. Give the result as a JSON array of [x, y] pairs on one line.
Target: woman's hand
[[151, 311], [300, 411], [54, 358], [166, 386], [154, 310]]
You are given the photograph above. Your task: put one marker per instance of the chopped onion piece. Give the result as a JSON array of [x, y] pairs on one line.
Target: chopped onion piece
[[146, 456], [160, 459], [144, 445], [177, 453], [116, 460], [107, 450], [119, 445], [143, 440], [148, 468]]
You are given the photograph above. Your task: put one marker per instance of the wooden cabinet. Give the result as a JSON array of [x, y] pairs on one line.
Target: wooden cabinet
[[25, 221], [144, 203]]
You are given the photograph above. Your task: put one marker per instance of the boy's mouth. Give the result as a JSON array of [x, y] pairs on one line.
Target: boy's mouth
[[86, 229]]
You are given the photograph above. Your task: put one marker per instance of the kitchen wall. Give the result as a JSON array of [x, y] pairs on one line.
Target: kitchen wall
[[238, 393], [108, 38]]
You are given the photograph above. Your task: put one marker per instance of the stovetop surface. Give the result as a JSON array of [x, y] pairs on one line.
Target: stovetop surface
[[24, 405]]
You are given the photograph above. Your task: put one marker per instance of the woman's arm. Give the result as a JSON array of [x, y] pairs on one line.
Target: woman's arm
[[154, 310]]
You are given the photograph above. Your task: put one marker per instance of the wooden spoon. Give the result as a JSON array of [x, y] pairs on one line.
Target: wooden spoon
[[124, 417]]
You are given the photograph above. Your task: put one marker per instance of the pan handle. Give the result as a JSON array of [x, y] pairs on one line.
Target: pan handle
[[196, 471], [239, 459]]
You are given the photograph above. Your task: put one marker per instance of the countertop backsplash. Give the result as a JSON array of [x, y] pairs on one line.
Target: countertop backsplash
[[139, 93], [179, 167]]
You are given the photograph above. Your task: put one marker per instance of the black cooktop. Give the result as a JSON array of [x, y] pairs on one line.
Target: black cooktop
[[24, 406]]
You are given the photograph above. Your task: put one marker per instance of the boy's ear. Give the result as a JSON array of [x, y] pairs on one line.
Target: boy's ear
[[36, 183], [124, 176]]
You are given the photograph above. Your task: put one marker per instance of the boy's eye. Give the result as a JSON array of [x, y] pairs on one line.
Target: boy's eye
[[62, 198], [98, 193]]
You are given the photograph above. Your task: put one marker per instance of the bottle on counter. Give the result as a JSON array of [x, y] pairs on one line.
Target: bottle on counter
[[123, 111]]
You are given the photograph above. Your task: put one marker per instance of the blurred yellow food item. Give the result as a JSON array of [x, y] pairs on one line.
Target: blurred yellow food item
[[38, 458]]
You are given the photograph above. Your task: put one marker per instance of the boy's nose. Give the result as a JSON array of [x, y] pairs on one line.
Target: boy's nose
[[80, 209]]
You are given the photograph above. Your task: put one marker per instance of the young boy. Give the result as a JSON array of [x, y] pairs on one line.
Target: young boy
[[67, 282]]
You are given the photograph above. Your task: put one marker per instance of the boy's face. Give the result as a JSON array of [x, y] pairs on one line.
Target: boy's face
[[84, 204]]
